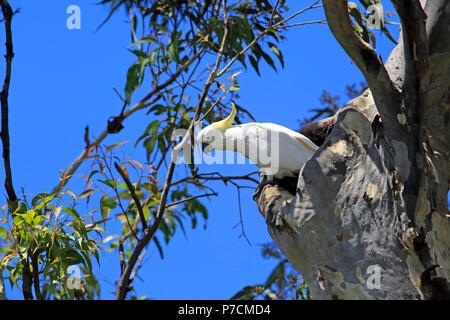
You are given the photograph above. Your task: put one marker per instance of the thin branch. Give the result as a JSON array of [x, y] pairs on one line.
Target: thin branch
[[273, 12], [133, 194], [302, 24], [225, 179], [241, 220], [7, 16], [190, 198], [312, 6]]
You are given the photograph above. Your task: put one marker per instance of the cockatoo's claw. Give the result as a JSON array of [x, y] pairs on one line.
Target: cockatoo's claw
[[287, 183], [264, 182]]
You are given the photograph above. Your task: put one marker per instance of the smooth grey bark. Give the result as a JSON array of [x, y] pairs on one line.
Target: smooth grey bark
[[370, 219]]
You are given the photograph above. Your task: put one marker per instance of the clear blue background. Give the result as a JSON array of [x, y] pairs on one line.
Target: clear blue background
[[62, 81]]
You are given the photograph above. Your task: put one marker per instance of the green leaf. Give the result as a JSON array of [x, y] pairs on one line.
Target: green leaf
[[72, 257], [247, 293], [149, 145], [144, 40], [152, 127], [106, 205], [158, 246], [277, 52], [72, 212], [254, 64], [172, 51], [110, 183], [86, 193], [45, 199], [5, 249], [132, 81]]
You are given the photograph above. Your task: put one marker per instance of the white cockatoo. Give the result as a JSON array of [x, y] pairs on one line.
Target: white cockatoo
[[278, 151]]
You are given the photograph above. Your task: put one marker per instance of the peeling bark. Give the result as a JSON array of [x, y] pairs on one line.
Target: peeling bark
[[370, 217]]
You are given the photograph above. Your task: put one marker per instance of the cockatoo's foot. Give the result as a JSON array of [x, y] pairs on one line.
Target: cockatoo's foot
[[287, 183], [264, 182]]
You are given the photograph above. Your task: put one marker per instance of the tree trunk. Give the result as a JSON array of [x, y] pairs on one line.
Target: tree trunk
[[370, 218]]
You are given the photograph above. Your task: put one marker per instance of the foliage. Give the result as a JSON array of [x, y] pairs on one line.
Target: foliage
[[45, 238]]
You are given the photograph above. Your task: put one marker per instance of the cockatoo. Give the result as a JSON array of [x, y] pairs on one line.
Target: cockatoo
[[279, 152]]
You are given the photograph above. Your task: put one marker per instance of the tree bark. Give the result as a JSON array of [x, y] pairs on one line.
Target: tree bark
[[370, 218]]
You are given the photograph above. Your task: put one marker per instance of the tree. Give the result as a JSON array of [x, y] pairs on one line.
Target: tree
[[370, 217]]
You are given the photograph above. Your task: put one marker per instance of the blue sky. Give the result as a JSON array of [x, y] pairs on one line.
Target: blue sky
[[63, 80]]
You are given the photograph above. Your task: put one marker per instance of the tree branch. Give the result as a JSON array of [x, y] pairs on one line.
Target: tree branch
[[35, 265], [415, 41], [383, 90], [133, 194], [189, 199], [7, 17]]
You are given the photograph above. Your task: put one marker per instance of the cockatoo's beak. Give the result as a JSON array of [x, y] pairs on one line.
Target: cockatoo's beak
[[207, 148]]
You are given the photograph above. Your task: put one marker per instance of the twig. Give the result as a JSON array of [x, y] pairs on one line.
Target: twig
[[225, 179], [269, 24], [323, 21], [241, 220], [312, 6], [189, 199], [133, 194]]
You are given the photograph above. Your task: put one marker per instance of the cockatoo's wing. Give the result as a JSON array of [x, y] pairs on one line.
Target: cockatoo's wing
[[292, 149], [308, 144]]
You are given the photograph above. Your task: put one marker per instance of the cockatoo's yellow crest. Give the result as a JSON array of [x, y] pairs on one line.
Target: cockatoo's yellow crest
[[227, 122]]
